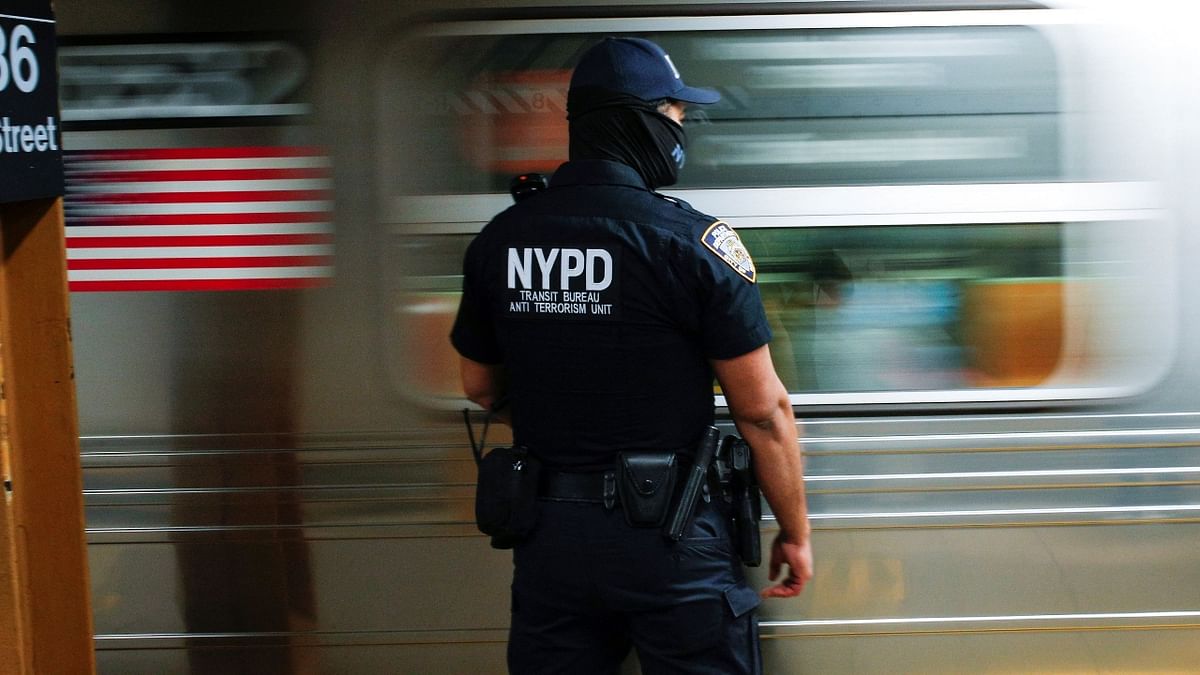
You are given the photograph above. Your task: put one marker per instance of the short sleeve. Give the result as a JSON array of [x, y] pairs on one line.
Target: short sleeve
[[732, 319], [474, 334]]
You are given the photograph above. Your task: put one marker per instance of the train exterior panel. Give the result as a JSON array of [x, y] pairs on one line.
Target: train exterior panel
[[972, 221]]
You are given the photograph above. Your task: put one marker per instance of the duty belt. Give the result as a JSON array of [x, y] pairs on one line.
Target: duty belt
[[591, 487], [588, 487]]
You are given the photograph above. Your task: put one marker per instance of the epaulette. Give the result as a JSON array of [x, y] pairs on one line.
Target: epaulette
[[674, 200]]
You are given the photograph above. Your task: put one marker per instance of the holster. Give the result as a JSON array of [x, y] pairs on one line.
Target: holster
[[747, 504], [506, 495], [646, 484]]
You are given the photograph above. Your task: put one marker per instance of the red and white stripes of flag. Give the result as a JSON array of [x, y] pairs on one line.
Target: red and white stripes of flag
[[198, 219]]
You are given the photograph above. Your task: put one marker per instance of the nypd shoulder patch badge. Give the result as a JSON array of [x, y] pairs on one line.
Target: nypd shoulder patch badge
[[721, 239]]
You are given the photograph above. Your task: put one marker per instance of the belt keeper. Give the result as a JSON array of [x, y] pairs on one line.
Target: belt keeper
[[610, 489]]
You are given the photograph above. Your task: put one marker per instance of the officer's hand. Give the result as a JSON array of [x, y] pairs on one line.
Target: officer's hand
[[799, 561]]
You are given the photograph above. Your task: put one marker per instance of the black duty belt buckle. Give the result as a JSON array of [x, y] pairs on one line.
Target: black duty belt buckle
[[587, 487]]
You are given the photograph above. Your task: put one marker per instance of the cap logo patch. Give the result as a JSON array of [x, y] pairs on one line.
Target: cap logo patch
[[673, 68], [723, 241]]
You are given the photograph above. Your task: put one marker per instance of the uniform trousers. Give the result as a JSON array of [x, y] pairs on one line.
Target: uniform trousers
[[587, 587]]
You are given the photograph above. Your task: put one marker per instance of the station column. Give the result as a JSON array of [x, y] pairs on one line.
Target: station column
[[45, 609]]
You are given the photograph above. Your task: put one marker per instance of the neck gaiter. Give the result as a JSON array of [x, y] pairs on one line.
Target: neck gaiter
[[626, 129]]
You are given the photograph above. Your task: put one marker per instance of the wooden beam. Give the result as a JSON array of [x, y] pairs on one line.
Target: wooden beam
[[45, 608]]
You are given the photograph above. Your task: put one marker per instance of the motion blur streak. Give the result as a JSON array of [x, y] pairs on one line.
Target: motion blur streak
[[969, 220]]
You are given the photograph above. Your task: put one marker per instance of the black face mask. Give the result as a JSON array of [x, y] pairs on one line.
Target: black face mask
[[626, 129]]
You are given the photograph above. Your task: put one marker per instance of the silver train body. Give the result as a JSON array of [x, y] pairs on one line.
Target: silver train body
[[973, 225]]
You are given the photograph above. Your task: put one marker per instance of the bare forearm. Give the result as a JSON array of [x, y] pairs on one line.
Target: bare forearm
[[759, 404], [485, 385], [780, 468]]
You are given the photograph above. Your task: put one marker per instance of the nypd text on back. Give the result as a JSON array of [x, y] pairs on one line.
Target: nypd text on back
[[560, 280]]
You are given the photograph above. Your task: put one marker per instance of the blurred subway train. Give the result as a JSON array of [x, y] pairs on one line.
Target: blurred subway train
[[972, 223]]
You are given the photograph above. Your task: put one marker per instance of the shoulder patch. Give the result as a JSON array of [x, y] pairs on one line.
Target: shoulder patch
[[723, 241]]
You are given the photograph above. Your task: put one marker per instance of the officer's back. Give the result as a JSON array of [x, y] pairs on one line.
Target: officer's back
[[600, 322], [596, 314]]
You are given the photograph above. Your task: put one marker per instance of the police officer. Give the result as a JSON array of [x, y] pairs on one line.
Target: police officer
[[600, 312]]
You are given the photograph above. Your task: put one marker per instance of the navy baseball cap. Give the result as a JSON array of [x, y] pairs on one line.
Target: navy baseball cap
[[636, 67]]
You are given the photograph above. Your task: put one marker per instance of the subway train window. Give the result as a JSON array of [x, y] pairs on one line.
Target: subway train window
[[190, 166], [915, 197], [182, 80], [903, 314], [887, 308], [799, 107]]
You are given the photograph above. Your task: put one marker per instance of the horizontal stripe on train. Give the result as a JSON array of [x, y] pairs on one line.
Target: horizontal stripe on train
[[90, 210], [197, 285], [226, 152], [197, 197], [200, 263], [172, 219], [75, 166], [172, 230], [199, 273], [195, 252], [87, 191], [200, 240], [87, 177]]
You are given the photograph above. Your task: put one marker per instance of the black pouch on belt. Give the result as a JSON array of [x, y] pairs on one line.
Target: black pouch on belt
[[646, 485], [506, 495]]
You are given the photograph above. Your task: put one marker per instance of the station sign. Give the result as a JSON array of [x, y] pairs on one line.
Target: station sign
[[31, 162]]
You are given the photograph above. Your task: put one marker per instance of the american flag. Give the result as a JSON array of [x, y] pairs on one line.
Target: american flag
[[198, 219]]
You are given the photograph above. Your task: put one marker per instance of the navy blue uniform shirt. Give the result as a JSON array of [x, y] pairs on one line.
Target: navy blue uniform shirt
[[605, 301]]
